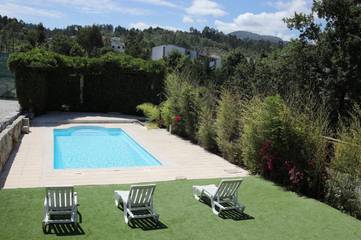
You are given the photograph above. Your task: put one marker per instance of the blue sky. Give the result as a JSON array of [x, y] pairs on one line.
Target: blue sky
[[259, 16]]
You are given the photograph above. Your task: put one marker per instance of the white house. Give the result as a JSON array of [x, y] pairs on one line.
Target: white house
[[117, 44], [163, 51], [215, 61]]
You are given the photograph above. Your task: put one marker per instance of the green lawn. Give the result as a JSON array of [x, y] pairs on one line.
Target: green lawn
[[273, 212]]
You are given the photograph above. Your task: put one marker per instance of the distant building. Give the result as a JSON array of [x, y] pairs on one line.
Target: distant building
[[117, 44], [163, 51], [215, 61]]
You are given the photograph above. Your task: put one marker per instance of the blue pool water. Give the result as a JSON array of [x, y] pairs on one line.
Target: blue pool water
[[97, 147]]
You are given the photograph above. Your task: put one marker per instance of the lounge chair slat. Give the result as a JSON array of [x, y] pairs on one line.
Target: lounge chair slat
[[223, 197], [59, 200], [140, 197]]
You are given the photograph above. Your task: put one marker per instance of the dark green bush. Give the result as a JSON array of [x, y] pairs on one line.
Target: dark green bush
[[284, 145], [112, 83]]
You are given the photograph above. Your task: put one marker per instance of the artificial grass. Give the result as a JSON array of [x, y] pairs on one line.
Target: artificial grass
[[273, 214]]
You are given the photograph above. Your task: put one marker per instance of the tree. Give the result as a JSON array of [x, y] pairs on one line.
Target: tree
[[338, 47], [90, 38], [62, 44], [40, 34], [135, 45]]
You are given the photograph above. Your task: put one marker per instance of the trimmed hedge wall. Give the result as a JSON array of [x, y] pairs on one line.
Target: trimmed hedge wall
[[46, 81]]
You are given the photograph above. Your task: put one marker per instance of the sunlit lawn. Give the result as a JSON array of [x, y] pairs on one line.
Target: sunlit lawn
[[272, 213]]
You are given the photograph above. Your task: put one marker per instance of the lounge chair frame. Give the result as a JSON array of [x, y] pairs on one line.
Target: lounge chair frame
[[224, 197], [60, 201], [138, 199]]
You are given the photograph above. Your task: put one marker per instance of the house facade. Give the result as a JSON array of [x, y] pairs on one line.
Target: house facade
[[163, 51], [117, 45]]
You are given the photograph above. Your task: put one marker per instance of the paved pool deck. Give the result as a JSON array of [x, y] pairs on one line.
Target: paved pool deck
[[31, 163]]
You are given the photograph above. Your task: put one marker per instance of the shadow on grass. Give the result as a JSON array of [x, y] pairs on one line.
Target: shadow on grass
[[235, 215], [65, 229], [229, 214], [147, 224]]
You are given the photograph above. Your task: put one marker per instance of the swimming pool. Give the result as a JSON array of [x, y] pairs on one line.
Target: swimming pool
[[98, 147]]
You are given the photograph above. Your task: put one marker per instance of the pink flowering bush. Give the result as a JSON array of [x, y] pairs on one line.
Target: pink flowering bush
[[283, 145]]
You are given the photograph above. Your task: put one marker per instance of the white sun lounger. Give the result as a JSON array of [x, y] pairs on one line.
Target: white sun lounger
[[137, 203], [223, 197], [60, 201]]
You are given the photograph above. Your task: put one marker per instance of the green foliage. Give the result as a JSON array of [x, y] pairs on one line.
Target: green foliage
[[227, 125], [166, 111], [182, 106], [206, 134], [238, 72], [344, 192], [347, 157], [176, 61], [63, 44], [151, 111], [112, 83], [135, 45], [90, 38], [338, 49], [284, 144], [343, 185]]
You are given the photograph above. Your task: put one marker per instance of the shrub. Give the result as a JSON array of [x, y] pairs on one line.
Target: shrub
[[343, 186], [284, 145], [344, 192], [112, 83], [181, 107], [166, 113], [227, 125], [347, 157], [206, 134], [151, 111]]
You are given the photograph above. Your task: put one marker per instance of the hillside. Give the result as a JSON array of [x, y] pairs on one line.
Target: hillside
[[244, 35], [17, 35]]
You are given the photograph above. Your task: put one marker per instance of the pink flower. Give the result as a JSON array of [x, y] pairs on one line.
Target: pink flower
[[178, 118]]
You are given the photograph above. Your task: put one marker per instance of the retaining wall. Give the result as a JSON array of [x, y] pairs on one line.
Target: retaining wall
[[9, 137]]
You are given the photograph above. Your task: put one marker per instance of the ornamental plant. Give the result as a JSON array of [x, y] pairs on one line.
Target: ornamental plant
[[284, 145]]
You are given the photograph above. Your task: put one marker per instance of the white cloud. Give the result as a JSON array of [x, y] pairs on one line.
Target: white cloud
[[142, 26], [187, 19], [20, 10], [100, 6], [205, 8], [159, 3], [268, 23]]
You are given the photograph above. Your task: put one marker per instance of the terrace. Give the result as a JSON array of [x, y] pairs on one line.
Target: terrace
[[270, 211]]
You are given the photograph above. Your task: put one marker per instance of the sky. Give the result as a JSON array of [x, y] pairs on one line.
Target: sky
[[258, 16]]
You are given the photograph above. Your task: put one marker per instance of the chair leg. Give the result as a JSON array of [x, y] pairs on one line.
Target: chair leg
[[44, 227], [196, 196], [214, 210], [126, 217], [116, 200]]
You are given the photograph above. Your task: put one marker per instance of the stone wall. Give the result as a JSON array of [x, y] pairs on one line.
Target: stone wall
[[9, 137]]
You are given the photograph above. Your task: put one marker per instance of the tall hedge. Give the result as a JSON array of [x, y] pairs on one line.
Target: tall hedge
[[46, 81]]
